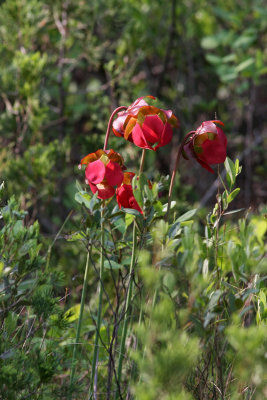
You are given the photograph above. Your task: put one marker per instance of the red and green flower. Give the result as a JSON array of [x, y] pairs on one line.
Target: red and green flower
[[207, 145], [146, 126], [104, 172], [124, 194]]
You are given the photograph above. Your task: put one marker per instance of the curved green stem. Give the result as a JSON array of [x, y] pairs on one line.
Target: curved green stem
[[127, 309], [99, 311], [79, 326]]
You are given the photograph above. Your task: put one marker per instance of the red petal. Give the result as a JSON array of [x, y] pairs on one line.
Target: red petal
[[105, 191], [214, 151], [139, 138], [206, 126], [114, 174], [206, 166], [153, 128], [166, 136], [117, 125], [126, 199], [95, 172], [93, 187]]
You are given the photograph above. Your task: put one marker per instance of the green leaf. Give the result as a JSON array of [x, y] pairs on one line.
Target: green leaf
[[225, 199], [83, 198], [234, 211], [165, 206], [76, 236], [131, 211], [230, 171], [1, 267], [129, 218], [188, 215], [11, 322], [25, 248], [72, 314], [120, 225], [175, 229], [18, 229], [232, 195], [209, 42], [245, 64], [211, 58], [111, 264], [78, 186]]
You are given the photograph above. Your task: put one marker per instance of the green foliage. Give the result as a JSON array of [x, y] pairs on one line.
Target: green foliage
[[198, 310], [29, 309]]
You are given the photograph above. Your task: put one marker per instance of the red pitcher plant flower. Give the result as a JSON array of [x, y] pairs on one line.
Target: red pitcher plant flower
[[103, 172], [207, 144], [146, 126], [124, 193]]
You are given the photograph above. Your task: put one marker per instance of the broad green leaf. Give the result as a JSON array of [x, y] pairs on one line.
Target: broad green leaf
[[83, 198], [165, 206], [205, 268], [25, 248], [76, 236], [120, 225], [73, 313], [131, 211], [175, 229], [232, 195], [245, 64], [188, 215], [225, 199], [129, 218], [213, 59], [209, 42], [78, 186], [230, 171]]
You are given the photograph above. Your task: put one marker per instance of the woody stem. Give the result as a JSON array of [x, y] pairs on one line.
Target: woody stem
[[174, 172], [109, 124]]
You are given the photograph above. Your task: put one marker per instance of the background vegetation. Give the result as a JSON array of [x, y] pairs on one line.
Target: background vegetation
[[64, 67]]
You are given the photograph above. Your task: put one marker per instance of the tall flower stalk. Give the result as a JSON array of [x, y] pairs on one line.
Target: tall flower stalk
[[79, 325], [93, 385], [127, 314]]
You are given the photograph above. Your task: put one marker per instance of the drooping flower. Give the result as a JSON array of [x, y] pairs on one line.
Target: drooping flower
[[207, 145], [104, 171], [124, 193], [146, 126]]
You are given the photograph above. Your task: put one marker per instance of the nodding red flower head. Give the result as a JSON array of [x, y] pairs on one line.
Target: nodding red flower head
[[146, 126], [103, 172], [124, 193], [207, 145]]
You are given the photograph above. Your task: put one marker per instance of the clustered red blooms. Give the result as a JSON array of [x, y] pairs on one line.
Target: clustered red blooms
[[148, 127], [207, 145]]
